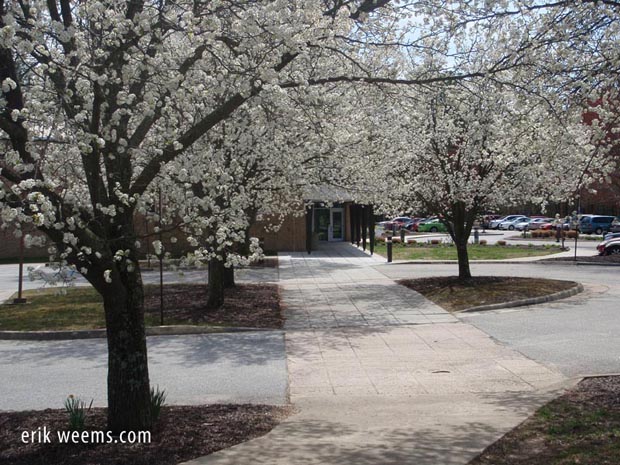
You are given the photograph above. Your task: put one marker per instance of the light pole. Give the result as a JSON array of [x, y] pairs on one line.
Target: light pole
[[576, 219], [20, 285]]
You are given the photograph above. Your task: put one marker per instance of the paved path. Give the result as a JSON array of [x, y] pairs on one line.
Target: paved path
[[243, 368], [382, 376], [577, 335]]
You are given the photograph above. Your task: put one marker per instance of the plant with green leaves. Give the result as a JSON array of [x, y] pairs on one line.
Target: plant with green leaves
[[158, 399], [77, 410]]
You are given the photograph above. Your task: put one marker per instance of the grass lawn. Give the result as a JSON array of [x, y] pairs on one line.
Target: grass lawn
[[454, 296], [476, 252], [80, 308], [580, 427], [250, 305]]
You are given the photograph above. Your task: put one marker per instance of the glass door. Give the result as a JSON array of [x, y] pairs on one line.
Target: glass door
[[336, 224], [321, 223]]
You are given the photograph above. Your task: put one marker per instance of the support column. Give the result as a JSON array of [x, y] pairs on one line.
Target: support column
[[309, 211], [364, 210], [357, 225], [352, 223], [371, 228]]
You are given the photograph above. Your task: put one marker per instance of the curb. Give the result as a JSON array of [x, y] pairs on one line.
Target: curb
[[499, 262], [577, 263], [603, 375], [455, 262], [101, 333], [597, 264], [531, 301]]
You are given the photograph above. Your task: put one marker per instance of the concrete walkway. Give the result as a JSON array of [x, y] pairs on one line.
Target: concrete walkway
[[380, 375], [577, 335]]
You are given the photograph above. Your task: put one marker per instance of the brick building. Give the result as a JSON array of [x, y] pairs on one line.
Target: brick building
[[327, 214]]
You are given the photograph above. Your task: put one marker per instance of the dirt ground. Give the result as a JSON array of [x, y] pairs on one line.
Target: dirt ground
[[182, 433], [248, 305], [455, 295]]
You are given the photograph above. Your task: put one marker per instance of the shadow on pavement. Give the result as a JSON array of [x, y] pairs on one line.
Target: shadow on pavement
[[187, 351], [326, 443]]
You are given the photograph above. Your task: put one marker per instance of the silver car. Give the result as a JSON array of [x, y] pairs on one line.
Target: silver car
[[494, 224], [510, 224], [531, 223]]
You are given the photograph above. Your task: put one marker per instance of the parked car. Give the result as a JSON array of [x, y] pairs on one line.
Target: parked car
[[597, 224], [510, 224], [549, 225], [521, 225], [486, 220], [417, 223], [432, 226], [494, 224], [413, 224], [615, 226], [609, 247], [396, 223], [611, 235], [532, 223]]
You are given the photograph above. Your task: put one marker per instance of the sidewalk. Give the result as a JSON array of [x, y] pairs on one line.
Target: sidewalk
[[380, 375]]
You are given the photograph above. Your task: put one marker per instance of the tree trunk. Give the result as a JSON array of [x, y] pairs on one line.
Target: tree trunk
[[128, 373], [229, 277], [460, 229], [216, 284], [463, 257]]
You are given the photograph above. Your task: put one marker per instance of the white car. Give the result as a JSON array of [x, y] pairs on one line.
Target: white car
[[494, 224], [510, 224], [531, 223], [609, 247]]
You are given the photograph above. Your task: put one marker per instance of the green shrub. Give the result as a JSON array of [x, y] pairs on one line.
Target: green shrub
[[158, 399], [77, 411]]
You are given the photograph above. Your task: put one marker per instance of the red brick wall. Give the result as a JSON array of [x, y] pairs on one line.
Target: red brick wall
[[9, 246], [291, 237]]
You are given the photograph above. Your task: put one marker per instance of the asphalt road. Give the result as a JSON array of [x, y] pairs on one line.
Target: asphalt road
[[197, 369], [578, 335]]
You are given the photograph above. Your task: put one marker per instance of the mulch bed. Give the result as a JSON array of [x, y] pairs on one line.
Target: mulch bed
[[183, 433], [455, 295], [249, 305], [579, 427]]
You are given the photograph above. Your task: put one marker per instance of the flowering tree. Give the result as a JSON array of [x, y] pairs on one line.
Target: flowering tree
[[475, 147], [99, 97], [254, 164]]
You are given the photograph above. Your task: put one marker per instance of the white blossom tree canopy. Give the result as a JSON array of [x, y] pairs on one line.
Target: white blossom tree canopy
[[100, 97]]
